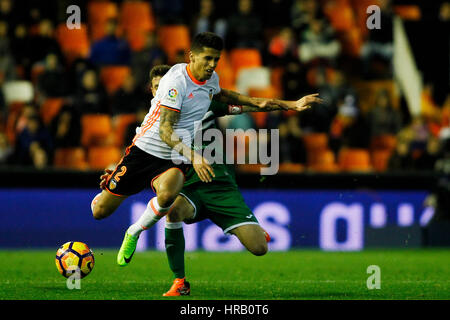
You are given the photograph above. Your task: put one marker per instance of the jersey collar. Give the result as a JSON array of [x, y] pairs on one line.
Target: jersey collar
[[191, 76]]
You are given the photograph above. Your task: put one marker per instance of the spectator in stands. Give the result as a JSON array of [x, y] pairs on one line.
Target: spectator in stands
[[111, 49], [427, 160], [65, 128], [349, 126], [303, 12], [207, 20], [7, 64], [401, 158], [379, 46], [6, 151], [52, 82], [128, 98], [293, 80], [20, 48], [244, 28], [318, 42], [145, 59], [274, 13], [34, 144], [282, 48], [44, 43], [91, 96], [77, 70], [383, 118], [292, 149], [130, 132], [169, 11]]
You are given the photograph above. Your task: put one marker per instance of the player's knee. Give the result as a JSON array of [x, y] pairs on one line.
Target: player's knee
[[175, 215], [166, 198]]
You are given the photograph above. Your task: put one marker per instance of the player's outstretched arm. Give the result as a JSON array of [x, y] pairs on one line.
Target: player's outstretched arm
[[168, 118]]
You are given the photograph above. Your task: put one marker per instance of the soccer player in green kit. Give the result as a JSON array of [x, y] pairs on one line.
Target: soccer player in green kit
[[219, 200]]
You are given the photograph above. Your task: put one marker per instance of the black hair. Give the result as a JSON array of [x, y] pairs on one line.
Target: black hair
[[208, 40], [159, 71]]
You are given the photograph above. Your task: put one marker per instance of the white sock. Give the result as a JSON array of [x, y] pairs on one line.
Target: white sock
[[151, 216]]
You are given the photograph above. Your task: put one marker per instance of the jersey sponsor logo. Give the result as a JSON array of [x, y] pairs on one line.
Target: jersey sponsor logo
[[210, 94]]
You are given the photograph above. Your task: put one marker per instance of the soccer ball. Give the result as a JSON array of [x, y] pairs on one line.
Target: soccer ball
[[73, 255]]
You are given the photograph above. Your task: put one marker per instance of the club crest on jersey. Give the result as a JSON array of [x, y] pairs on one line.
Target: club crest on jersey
[[210, 94], [112, 184]]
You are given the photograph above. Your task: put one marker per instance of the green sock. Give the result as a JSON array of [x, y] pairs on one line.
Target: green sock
[[175, 250]]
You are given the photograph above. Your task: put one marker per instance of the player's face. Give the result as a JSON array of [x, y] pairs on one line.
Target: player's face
[[155, 85], [204, 63]]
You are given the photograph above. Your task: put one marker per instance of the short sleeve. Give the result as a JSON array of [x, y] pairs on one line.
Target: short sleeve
[[171, 93]]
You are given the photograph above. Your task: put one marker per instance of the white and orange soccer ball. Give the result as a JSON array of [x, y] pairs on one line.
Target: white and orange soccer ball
[[72, 255]]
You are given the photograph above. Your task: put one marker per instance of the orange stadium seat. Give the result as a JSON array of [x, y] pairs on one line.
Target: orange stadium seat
[[322, 160], [288, 167], [70, 158], [113, 77], [352, 42], [120, 125], [383, 142], [350, 159], [244, 58], [96, 129], [225, 72], [137, 15], [50, 108], [408, 12], [340, 14], [74, 42], [103, 157], [315, 142], [98, 14], [380, 159], [173, 38]]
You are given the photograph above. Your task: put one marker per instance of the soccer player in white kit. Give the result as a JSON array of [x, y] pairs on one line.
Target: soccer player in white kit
[[183, 97]]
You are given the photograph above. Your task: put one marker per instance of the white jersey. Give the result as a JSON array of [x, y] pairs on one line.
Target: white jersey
[[179, 91]]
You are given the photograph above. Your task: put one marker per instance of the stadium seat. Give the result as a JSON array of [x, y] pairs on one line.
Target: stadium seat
[[174, 38], [354, 160], [18, 91], [315, 142], [113, 77], [50, 108], [408, 12], [367, 93], [98, 14], [70, 158], [288, 167], [340, 14], [352, 42], [383, 142], [268, 92], [103, 157], [74, 42], [250, 168], [380, 159], [322, 160], [225, 72], [137, 15], [96, 129], [276, 76], [120, 125], [244, 58]]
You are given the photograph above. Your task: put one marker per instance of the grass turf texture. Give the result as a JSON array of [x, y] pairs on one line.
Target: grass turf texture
[[405, 274]]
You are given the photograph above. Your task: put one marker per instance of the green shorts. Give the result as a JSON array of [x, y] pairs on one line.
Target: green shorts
[[219, 201]]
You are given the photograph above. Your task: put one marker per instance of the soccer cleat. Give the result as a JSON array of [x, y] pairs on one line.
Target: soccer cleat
[[127, 250], [180, 287]]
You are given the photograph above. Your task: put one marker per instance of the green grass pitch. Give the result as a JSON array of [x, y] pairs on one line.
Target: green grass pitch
[[302, 274]]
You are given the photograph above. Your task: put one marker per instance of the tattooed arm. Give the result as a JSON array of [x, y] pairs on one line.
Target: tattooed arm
[[168, 118]]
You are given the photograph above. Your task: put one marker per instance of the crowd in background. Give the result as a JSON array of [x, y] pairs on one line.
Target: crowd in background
[[296, 38]]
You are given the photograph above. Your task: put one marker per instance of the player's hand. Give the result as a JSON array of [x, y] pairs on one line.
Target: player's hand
[[305, 102], [203, 169], [104, 178]]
